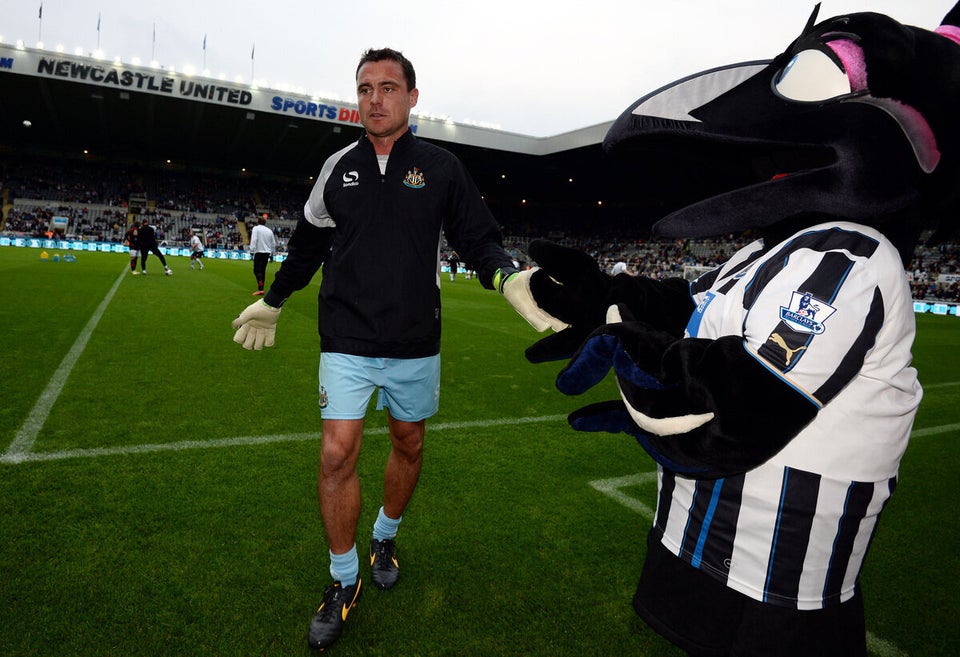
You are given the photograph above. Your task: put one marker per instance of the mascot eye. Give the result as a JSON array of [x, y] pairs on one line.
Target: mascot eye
[[810, 77]]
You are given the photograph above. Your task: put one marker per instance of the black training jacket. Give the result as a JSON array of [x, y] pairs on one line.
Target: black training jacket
[[378, 239]]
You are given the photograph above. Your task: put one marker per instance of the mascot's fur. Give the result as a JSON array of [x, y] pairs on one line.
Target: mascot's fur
[[775, 393]]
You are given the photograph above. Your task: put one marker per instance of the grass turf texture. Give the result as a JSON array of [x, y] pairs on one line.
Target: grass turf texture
[[506, 548]]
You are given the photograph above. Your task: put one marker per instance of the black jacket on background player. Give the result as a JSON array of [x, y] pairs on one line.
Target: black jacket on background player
[[148, 237], [378, 239]]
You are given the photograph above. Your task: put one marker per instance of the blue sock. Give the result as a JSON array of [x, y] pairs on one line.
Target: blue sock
[[345, 567], [385, 527]]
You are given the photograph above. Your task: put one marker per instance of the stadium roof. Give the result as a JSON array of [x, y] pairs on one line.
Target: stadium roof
[[61, 105]]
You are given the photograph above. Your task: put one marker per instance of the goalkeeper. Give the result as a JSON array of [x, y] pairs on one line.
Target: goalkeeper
[[373, 221]]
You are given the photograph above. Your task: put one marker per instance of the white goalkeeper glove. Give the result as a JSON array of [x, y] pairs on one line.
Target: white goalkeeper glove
[[256, 325], [515, 287]]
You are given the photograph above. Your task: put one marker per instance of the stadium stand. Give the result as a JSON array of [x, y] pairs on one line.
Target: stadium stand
[[100, 199]]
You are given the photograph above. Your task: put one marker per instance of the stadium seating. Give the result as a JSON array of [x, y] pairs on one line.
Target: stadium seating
[[99, 199]]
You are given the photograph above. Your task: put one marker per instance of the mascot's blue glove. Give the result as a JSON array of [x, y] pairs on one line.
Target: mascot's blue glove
[[634, 350], [570, 286], [678, 399]]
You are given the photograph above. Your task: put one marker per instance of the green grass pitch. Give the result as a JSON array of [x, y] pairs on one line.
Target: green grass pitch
[[158, 485]]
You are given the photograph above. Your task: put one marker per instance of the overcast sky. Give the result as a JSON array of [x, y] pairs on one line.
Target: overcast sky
[[532, 67]]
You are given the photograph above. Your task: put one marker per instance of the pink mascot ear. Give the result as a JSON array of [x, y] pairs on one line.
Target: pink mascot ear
[[950, 26]]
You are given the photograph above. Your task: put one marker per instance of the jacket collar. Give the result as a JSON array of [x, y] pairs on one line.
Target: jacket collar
[[406, 140]]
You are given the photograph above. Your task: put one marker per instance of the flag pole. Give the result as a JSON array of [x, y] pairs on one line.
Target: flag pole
[[40, 21], [252, 62]]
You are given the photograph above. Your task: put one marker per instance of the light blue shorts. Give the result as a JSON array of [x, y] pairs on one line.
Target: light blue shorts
[[408, 387]]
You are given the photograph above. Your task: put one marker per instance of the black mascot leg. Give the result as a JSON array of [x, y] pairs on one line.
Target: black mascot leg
[[689, 609]]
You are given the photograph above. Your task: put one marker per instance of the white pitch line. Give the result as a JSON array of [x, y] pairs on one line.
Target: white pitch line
[[244, 441], [881, 648], [612, 488], [932, 431], [23, 441], [608, 487], [934, 386]]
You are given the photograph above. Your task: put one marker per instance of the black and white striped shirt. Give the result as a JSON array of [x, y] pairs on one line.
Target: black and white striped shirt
[[829, 311]]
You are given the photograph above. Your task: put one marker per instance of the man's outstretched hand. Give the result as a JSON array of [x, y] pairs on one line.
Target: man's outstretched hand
[[256, 326]]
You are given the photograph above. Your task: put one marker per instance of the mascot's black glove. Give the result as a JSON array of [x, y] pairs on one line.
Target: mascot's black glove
[[569, 285], [703, 408]]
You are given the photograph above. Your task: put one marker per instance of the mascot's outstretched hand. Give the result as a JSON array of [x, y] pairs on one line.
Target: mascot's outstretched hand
[[678, 400], [515, 287], [570, 286], [256, 326]]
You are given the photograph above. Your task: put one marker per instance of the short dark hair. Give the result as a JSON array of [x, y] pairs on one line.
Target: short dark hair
[[381, 54]]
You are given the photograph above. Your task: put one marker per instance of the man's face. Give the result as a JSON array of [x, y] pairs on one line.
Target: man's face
[[384, 99]]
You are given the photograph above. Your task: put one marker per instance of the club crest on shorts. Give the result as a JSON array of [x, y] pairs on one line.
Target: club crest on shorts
[[806, 313], [415, 179]]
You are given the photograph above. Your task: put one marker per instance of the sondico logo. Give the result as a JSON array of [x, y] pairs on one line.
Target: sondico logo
[[350, 179]]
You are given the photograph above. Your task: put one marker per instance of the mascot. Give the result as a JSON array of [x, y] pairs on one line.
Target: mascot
[[776, 392]]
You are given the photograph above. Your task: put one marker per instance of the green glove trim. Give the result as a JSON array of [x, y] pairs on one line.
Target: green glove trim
[[501, 276]]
